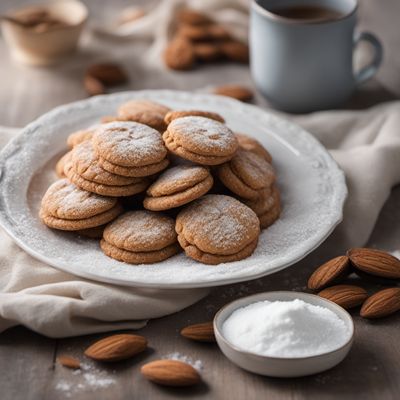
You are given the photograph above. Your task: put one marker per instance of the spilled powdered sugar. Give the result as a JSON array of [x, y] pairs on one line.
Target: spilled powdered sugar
[[89, 379], [197, 364]]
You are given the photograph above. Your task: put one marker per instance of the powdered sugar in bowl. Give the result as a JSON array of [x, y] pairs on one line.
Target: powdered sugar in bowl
[[284, 334]]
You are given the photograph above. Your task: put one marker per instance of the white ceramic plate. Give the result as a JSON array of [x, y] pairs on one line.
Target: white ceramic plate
[[312, 186]]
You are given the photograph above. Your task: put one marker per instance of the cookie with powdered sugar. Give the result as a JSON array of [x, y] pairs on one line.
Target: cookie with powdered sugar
[[170, 116], [178, 186], [246, 174], [217, 229], [140, 237], [248, 143], [201, 140]]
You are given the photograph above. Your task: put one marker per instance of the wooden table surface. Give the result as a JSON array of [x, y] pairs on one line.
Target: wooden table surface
[[27, 360]]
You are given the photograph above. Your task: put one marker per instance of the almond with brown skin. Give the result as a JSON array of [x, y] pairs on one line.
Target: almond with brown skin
[[69, 362], [93, 86], [237, 92], [329, 273], [346, 296], [381, 304], [108, 74], [375, 262], [203, 332], [179, 54], [116, 347], [170, 373]]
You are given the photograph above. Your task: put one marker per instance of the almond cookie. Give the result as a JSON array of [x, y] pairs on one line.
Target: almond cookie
[[237, 92], [129, 144], [192, 113], [208, 51], [61, 164], [139, 237], [65, 200], [85, 163], [64, 206], [246, 174], [138, 186], [216, 229], [253, 145], [193, 17], [80, 136], [177, 186], [267, 206], [79, 224], [144, 111], [201, 140]]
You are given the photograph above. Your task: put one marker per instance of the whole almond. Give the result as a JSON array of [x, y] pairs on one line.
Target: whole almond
[[93, 86], [170, 373], [329, 273], [69, 362], [237, 92], [381, 304], [203, 332], [108, 74], [346, 296], [179, 54], [375, 262], [116, 347]]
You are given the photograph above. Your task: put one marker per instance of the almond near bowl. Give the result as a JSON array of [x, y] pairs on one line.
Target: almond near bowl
[[282, 367], [47, 45]]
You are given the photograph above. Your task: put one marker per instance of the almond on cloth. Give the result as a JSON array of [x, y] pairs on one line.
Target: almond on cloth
[[381, 304], [179, 54], [203, 332], [109, 74], [346, 296], [69, 362], [237, 92], [93, 86], [170, 373], [116, 347], [330, 272], [375, 262]]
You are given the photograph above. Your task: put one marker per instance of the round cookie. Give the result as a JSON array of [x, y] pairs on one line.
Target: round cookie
[[137, 172], [201, 140], [144, 111], [129, 144], [61, 164], [178, 186], [79, 224], [267, 206], [85, 163], [105, 190], [217, 228], [253, 145], [140, 237], [246, 174], [64, 200], [80, 136], [144, 257], [170, 116]]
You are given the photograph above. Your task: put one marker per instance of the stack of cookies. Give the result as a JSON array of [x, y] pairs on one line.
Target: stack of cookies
[[152, 181], [199, 39]]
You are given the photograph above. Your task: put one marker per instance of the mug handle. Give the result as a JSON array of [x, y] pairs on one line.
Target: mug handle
[[369, 70]]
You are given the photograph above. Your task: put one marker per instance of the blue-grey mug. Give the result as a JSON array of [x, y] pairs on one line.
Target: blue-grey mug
[[304, 65]]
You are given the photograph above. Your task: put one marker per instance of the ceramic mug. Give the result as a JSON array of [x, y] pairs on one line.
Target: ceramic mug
[[303, 65]]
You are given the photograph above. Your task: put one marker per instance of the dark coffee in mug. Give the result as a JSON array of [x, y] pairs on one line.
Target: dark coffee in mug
[[308, 12]]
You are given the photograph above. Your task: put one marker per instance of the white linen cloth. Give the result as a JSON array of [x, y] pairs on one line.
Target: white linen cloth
[[366, 144]]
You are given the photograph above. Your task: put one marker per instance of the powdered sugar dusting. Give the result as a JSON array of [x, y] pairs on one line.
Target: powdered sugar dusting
[[129, 144], [197, 364], [199, 134]]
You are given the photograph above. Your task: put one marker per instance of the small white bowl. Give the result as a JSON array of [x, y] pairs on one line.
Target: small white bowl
[[279, 366], [45, 48]]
